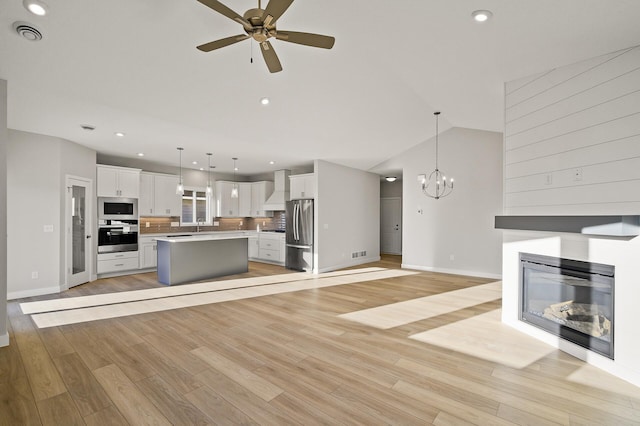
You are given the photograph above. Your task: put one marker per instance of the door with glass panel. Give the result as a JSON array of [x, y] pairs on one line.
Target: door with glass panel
[[78, 227]]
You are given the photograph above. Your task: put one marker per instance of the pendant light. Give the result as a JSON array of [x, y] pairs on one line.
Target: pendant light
[[234, 190], [209, 188], [180, 187], [436, 186]]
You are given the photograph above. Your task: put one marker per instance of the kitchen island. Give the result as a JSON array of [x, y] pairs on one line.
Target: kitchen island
[[200, 257]]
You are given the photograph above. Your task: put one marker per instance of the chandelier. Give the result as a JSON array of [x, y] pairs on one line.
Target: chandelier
[[436, 186]]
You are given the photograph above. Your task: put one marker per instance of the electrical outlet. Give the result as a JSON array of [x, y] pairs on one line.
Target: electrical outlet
[[577, 174], [240, 223], [264, 222], [216, 223], [48, 228], [34, 275], [147, 224], [452, 257], [548, 179]]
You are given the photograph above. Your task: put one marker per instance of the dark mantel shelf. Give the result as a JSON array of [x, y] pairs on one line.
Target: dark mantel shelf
[[612, 226]]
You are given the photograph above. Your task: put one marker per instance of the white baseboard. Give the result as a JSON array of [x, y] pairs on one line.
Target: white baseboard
[[360, 261], [12, 295], [454, 271], [4, 340]]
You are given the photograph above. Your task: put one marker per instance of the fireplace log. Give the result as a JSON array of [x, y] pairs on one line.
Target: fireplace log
[[586, 318]]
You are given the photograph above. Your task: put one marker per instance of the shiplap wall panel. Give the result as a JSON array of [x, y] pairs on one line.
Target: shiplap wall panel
[[576, 121], [522, 101], [600, 153], [586, 194], [593, 134], [580, 118], [561, 84], [609, 91], [517, 85], [603, 172]]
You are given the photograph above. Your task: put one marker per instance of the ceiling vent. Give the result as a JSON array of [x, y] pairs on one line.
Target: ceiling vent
[[27, 31]]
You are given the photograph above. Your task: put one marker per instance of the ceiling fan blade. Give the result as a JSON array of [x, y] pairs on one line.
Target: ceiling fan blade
[[213, 45], [224, 10], [274, 10], [270, 57], [308, 39]]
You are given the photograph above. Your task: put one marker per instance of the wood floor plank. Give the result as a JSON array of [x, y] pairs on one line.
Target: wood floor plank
[[85, 390], [170, 403], [217, 408], [130, 401], [255, 407], [59, 410], [109, 416], [262, 388], [17, 405], [43, 375]]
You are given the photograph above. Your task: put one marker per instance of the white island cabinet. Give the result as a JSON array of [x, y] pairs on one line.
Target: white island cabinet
[[115, 181]]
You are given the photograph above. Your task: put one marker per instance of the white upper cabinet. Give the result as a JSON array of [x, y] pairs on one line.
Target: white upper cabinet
[[302, 186], [260, 191], [250, 201], [158, 195], [244, 199], [166, 201], [145, 203], [118, 182], [226, 206]]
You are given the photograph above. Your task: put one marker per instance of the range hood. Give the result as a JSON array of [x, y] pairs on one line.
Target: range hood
[[280, 195]]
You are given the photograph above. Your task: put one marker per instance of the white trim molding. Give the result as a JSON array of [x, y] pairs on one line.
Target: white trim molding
[[454, 271]]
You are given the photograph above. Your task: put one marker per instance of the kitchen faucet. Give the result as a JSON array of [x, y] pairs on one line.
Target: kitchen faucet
[[198, 222]]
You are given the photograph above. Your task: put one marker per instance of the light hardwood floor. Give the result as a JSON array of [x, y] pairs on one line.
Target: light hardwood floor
[[304, 357]]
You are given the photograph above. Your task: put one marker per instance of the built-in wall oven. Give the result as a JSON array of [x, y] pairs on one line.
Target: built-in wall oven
[[117, 208], [117, 235]]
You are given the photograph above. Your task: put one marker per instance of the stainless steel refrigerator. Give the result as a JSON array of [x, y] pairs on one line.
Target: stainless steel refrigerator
[[299, 220]]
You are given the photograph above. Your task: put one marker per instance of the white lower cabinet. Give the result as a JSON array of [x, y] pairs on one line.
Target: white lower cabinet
[[148, 247], [117, 262], [254, 248], [271, 247]]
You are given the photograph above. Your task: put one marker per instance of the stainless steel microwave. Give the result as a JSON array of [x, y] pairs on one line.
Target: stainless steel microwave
[[117, 208]]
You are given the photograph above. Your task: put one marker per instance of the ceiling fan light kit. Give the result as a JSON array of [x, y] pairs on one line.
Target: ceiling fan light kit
[[260, 25]]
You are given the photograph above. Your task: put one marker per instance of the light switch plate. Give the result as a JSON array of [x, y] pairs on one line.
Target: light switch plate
[[48, 228]]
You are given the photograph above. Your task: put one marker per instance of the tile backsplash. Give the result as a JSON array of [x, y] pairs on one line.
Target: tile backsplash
[[160, 225]]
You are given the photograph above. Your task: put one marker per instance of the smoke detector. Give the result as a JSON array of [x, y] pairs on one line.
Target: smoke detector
[[27, 31]]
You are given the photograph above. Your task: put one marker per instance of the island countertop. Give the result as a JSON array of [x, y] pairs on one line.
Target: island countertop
[[201, 237]]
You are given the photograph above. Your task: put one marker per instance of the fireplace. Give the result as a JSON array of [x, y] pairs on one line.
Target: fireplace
[[570, 299]]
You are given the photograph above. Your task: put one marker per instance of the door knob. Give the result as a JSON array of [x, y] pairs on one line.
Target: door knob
[[88, 236]]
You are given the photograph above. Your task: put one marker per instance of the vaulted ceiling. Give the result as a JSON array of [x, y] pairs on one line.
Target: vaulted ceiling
[[133, 67]]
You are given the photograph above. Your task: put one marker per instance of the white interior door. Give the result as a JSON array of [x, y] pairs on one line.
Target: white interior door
[[78, 226], [391, 225]]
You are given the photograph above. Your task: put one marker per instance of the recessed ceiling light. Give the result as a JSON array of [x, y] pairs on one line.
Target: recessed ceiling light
[[272, 162], [265, 101], [391, 178], [119, 134], [36, 7], [141, 154], [201, 169], [194, 162], [481, 15]]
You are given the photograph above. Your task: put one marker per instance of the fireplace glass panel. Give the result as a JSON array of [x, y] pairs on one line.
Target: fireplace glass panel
[[570, 299]]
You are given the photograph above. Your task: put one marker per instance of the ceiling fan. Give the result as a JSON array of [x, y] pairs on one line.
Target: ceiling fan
[[260, 24]]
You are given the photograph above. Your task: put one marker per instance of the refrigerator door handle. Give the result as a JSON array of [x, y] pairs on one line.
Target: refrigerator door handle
[[298, 246], [296, 231]]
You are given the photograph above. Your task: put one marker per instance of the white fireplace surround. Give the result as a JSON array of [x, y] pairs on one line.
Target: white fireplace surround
[[621, 252]]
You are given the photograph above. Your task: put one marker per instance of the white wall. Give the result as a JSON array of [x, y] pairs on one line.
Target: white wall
[[4, 336], [583, 116], [347, 216], [461, 224], [36, 172], [391, 189]]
